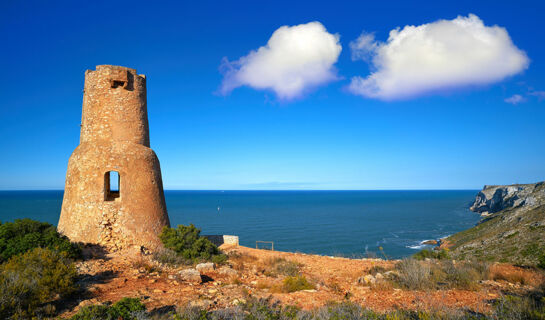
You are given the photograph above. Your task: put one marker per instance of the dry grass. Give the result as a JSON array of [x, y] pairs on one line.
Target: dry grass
[[382, 285], [264, 284], [414, 274], [420, 275], [240, 261], [499, 272], [143, 265], [281, 267], [335, 287]]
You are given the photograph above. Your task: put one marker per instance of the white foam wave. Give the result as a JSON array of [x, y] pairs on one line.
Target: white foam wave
[[421, 245]]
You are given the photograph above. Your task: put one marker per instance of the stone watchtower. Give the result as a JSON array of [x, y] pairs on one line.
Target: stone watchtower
[[114, 191]]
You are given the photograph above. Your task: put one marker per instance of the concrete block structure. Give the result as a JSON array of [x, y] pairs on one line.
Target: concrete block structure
[[114, 191]]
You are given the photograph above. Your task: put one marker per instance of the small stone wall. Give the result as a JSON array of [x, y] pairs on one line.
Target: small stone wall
[[218, 240]]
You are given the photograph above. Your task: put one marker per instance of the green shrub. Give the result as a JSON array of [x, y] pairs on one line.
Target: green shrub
[[462, 275], [297, 283], [187, 242], [265, 309], [93, 312], [512, 307], [35, 278], [23, 235], [171, 257], [126, 309], [219, 258], [541, 262], [431, 254]]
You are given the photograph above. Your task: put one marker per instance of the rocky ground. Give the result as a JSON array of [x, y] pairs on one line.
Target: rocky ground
[[110, 277]]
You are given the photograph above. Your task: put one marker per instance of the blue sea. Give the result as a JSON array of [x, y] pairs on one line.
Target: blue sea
[[346, 223]]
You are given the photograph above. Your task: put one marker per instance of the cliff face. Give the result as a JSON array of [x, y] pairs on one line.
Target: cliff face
[[493, 199], [513, 229]]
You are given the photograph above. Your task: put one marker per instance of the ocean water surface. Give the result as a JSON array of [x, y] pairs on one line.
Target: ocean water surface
[[349, 223]]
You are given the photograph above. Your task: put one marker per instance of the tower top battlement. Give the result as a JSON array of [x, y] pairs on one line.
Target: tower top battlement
[[114, 106]]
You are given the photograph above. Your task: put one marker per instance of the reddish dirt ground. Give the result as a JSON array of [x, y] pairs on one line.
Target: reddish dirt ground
[[132, 274]]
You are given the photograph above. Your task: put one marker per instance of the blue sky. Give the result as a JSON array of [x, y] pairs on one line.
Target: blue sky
[[460, 136]]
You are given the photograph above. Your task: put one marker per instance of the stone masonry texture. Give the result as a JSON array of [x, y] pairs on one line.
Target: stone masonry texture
[[114, 137]]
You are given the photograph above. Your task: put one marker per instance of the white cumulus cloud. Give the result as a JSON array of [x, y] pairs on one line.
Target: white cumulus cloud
[[295, 59], [436, 56]]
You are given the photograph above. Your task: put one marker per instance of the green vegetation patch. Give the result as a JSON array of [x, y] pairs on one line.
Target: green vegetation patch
[[23, 235], [126, 309], [296, 283], [541, 262], [508, 307], [513, 235], [30, 281], [187, 242], [432, 254]]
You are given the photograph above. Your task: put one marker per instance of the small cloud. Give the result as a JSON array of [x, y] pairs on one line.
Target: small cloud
[[294, 60], [539, 94], [441, 55], [364, 47], [515, 99]]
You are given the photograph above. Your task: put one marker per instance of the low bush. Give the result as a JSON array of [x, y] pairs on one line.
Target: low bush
[[541, 261], [506, 308], [171, 257], [125, 309], [23, 235], [513, 307], [462, 275], [431, 254], [377, 269], [281, 266], [144, 266], [297, 283], [265, 309], [219, 258], [187, 242], [30, 281], [414, 274]]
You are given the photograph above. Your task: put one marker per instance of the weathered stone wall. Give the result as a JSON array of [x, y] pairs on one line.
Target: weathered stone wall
[[114, 137], [218, 240]]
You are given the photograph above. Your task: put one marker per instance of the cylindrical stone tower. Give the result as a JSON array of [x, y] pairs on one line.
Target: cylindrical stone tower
[[114, 191]]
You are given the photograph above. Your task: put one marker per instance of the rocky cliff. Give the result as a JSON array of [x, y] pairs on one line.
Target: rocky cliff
[[513, 227], [493, 199]]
